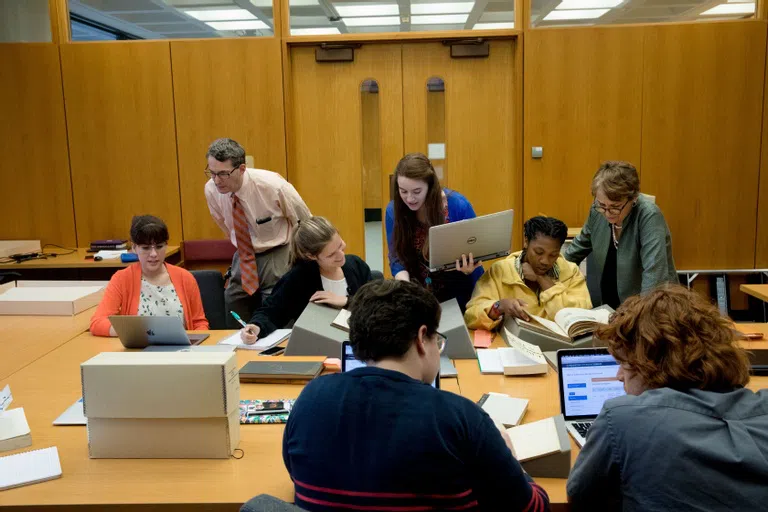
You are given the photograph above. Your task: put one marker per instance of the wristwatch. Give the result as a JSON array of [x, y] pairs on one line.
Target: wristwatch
[[495, 310]]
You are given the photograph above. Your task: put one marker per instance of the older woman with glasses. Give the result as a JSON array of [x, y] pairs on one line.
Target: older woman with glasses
[[627, 236], [150, 287]]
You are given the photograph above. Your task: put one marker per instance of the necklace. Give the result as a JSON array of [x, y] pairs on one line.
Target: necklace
[[615, 240]]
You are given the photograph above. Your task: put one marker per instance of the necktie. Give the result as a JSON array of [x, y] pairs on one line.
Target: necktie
[[249, 274]]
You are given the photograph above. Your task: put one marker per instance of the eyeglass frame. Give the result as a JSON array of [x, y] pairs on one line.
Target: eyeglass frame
[[612, 211], [442, 339], [221, 174]]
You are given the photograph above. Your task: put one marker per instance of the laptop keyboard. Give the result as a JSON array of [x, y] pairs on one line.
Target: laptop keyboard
[[582, 428]]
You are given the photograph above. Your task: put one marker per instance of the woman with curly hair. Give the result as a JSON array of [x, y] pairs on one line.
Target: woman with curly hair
[[688, 435]]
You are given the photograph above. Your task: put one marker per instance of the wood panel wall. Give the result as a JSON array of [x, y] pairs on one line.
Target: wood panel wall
[[702, 106], [481, 145], [37, 194], [325, 152], [583, 105], [761, 242], [122, 137], [225, 88], [371, 148]]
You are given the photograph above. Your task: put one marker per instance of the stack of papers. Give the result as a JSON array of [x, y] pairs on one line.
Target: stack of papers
[[261, 344], [535, 440], [14, 430], [29, 468], [521, 358]]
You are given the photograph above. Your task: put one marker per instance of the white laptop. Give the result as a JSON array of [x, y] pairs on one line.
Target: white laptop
[[143, 331], [587, 378], [487, 237]]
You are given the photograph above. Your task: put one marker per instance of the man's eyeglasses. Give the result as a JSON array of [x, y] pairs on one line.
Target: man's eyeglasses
[[441, 339], [222, 174], [612, 211]]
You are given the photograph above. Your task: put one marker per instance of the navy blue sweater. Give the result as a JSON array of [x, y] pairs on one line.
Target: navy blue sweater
[[378, 438]]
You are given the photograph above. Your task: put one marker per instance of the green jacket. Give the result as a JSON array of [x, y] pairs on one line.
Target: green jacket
[[644, 257]]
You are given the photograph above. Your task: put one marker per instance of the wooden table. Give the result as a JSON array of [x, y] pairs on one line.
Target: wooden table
[[24, 339], [759, 291], [76, 266], [50, 385]]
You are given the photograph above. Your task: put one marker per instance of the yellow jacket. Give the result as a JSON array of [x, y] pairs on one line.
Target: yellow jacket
[[504, 282]]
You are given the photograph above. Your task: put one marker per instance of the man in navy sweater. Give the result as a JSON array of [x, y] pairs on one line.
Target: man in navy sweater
[[381, 438]]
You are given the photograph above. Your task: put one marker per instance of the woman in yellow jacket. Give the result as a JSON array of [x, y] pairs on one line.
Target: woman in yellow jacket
[[536, 280]]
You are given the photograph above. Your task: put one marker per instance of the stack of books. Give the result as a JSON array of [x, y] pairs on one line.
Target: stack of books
[[108, 245]]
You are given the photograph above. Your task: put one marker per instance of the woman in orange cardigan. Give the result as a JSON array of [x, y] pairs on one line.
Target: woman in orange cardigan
[[150, 287]]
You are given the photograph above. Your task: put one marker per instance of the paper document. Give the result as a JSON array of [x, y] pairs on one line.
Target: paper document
[[489, 361], [261, 344], [526, 353], [29, 468], [73, 415], [13, 423], [110, 255], [5, 398], [534, 440]]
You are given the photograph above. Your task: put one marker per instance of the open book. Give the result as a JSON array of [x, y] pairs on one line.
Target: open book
[[520, 358], [569, 324]]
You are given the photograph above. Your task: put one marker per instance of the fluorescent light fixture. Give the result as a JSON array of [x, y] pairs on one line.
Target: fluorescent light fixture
[[237, 25], [578, 14], [375, 21], [440, 19], [730, 9], [589, 4], [492, 26], [221, 15], [346, 11], [320, 31], [442, 8]]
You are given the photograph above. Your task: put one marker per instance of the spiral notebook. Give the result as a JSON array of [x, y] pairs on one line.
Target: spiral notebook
[[27, 468]]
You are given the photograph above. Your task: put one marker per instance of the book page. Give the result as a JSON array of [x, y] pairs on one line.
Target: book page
[[567, 317], [531, 351], [549, 324], [489, 361], [534, 440], [261, 344]]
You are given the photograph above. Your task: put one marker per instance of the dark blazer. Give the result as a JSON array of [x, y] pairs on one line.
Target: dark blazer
[[292, 292]]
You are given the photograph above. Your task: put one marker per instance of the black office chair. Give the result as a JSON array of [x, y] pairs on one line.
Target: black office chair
[[211, 284], [267, 503]]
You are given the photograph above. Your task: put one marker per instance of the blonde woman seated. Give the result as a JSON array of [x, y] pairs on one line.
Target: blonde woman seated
[[536, 280], [320, 273]]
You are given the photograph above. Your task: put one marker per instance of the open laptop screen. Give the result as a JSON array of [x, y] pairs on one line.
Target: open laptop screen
[[587, 380], [349, 363]]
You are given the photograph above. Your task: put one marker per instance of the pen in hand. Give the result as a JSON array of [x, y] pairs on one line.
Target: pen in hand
[[239, 320]]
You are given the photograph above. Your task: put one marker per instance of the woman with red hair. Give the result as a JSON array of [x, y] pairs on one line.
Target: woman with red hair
[[688, 435]]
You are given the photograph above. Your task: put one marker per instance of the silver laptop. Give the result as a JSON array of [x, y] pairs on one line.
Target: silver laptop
[[587, 378], [142, 331], [486, 237]]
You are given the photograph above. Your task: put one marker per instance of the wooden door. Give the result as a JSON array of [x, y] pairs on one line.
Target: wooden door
[[326, 130], [478, 117]]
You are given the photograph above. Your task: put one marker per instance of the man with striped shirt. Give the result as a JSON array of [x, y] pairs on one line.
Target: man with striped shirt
[[381, 438]]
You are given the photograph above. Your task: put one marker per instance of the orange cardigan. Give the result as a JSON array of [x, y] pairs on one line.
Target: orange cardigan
[[124, 289]]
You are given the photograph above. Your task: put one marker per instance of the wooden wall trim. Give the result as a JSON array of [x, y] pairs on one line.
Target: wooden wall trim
[[58, 11]]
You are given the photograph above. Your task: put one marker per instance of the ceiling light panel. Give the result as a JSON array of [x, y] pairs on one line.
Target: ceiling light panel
[[221, 14], [725, 9], [374, 21], [442, 8], [237, 25], [315, 31], [439, 19], [492, 26], [588, 4], [577, 14], [347, 11]]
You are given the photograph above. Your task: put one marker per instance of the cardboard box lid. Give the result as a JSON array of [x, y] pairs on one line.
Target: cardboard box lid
[[160, 385]]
